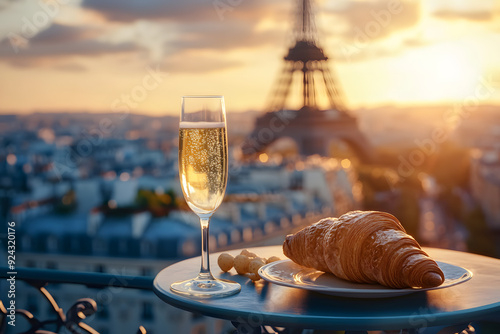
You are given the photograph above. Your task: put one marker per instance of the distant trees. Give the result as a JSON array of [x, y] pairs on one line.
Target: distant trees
[[67, 203], [159, 203]]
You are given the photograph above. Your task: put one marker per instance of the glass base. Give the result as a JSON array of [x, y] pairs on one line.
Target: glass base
[[206, 288]]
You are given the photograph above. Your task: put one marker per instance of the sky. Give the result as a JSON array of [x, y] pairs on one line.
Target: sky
[[142, 56]]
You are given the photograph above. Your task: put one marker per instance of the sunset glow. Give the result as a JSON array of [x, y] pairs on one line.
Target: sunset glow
[[85, 56]]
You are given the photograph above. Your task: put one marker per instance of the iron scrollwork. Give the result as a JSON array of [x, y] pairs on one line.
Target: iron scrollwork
[[72, 320]]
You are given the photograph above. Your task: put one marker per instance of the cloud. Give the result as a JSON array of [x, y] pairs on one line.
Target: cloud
[[199, 24], [58, 41], [162, 31], [371, 49], [376, 19], [415, 41], [477, 10], [132, 10], [70, 67], [362, 30], [447, 14], [349, 53], [223, 36], [5, 3], [58, 33], [182, 11], [197, 63]]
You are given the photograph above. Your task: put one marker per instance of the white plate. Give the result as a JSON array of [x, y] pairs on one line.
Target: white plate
[[288, 273]]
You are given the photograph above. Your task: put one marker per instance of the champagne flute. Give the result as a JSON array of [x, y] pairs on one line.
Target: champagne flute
[[203, 169]]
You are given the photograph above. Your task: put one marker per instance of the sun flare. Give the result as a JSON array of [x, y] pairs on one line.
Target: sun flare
[[451, 75]]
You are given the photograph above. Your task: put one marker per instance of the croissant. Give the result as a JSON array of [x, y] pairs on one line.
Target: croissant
[[364, 247]]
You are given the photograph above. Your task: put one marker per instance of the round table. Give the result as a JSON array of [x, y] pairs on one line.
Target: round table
[[264, 303]]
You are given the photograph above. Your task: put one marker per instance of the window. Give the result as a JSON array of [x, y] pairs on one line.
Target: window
[[122, 247], [146, 248], [99, 247], [52, 244]]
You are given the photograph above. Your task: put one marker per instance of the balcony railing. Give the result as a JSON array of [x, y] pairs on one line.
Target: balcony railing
[[73, 319]]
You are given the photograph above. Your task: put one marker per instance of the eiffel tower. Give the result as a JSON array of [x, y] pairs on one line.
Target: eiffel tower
[[311, 128]]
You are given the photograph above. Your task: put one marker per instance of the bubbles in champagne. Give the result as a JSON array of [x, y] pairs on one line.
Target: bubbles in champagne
[[203, 166]]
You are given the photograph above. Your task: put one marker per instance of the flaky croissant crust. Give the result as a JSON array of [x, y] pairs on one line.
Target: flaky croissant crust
[[364, 247]]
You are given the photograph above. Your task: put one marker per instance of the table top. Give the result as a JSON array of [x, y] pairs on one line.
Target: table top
[[265, 303]]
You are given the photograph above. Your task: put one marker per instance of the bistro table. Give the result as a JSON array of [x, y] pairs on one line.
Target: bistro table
[[266, 304]]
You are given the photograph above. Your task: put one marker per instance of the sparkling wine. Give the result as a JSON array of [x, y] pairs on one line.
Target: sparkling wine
[[203, 164]]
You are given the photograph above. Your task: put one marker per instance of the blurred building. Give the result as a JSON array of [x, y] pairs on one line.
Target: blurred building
[[480, 129], [485, 184]]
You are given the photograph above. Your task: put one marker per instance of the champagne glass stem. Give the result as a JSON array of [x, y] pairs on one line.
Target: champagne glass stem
[[205, 259]]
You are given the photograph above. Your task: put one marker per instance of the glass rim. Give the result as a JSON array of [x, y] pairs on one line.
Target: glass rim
[[202, 96]]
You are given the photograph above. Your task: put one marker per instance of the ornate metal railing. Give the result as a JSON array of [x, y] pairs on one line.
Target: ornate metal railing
[[73, 319]]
